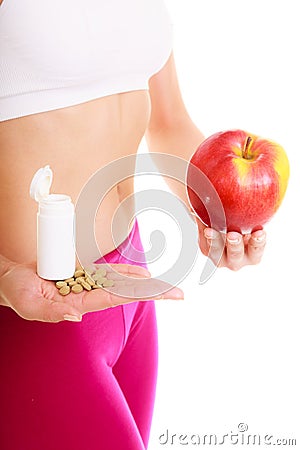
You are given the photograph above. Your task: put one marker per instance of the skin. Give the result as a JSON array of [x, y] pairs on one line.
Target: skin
[[74, 142]]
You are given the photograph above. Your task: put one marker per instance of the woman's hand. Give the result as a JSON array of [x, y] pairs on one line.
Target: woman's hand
[[33, 298], [233, 250]]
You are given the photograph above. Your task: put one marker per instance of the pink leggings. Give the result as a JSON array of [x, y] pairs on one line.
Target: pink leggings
[[80, 386]]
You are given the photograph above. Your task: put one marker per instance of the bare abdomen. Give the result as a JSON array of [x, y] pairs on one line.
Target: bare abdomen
[[75, 141]]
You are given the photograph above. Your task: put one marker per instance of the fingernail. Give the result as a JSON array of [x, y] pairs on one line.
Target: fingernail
[[210, 233], [259, 238], [259, 235], [234, 238], [233, 241], [72, 318]]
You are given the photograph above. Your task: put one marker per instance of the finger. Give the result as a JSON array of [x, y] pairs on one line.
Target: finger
[[123, 293], [127, 269], [202, 240], [216, 244], [246, 238], [147, 289], [256, 245], [235, 250], [119, 271]]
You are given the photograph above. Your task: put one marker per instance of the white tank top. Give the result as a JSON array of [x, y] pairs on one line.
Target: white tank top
[[58, 53]]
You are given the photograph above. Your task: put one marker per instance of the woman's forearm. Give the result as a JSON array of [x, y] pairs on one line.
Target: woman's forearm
[[171, 129], [180, 140]]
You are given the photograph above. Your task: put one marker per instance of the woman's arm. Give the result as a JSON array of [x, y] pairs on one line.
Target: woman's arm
[[172, 131]]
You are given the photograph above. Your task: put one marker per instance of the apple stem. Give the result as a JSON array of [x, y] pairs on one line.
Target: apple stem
[[246, 147]]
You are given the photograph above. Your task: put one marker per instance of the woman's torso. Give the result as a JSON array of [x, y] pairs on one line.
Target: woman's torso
[[75, 142], [79, 139]]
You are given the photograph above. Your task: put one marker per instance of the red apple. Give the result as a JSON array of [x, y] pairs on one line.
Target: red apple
[[250, 174]]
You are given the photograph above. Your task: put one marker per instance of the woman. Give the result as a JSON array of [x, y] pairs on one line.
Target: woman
[[80, 85]]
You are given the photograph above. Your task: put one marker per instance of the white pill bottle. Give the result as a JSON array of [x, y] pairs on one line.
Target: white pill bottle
[[56, 258]]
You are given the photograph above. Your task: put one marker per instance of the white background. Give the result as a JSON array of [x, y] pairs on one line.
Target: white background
[[230, 352]]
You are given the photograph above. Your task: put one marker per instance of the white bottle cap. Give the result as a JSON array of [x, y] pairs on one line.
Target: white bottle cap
[[41, 183]]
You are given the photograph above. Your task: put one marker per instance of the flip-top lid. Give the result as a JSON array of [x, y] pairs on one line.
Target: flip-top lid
[[41, 183]]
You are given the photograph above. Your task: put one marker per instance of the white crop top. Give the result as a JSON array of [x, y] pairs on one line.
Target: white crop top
[[58, 53]]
